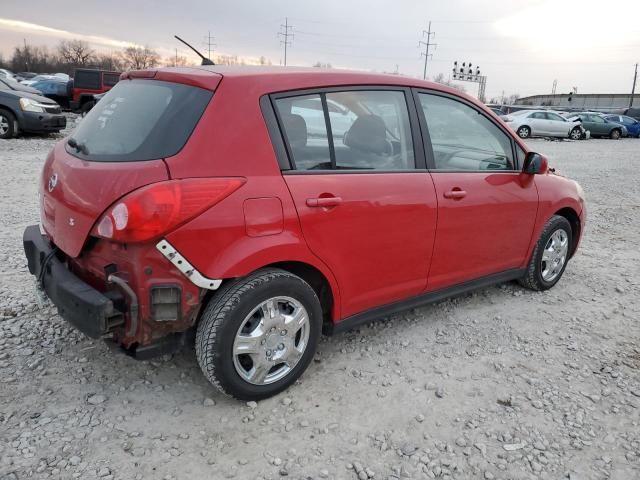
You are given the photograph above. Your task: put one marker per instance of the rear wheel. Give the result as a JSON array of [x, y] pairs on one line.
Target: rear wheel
[[524, 132], [615, 134], [7, 124], [258, 335], [550, 255]]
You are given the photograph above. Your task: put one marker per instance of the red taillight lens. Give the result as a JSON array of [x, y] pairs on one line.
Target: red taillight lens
[[152, 211]]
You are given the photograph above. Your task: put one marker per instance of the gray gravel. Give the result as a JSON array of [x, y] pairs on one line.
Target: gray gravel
[[500, 384]]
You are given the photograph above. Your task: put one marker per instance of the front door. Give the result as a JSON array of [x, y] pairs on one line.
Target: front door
[[365, 210], [486, 206]]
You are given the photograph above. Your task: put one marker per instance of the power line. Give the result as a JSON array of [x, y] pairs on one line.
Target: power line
[[633, 89], [285, 32], [427, 44], [208, 41]]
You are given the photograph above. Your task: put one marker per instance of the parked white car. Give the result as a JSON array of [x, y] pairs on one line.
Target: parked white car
[[543, 123], [4, 73]]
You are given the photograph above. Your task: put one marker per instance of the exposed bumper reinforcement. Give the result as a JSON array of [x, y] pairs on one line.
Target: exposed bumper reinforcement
[[186, 268]]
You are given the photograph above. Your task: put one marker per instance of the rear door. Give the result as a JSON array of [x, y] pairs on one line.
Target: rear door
[[486, 206], [366, 204]]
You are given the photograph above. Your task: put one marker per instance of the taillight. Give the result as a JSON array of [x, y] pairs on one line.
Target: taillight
[[152, 211]]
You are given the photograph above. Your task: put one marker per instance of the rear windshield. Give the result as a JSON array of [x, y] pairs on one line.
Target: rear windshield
[[139, 120]]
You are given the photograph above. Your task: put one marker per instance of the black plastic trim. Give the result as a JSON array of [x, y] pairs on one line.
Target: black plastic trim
[[87, 309], [277, 141], [426, 298]]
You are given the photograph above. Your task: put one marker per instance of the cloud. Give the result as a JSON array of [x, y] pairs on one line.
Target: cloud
[[34, 28]]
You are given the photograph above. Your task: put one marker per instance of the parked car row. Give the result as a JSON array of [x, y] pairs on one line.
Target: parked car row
[[78, 94], [573, 125]]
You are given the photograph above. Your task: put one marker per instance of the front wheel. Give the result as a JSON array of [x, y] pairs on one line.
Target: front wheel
[[550, 255], [615, 134], [257, 335], [7, 124], [575, 134], [524, 132]]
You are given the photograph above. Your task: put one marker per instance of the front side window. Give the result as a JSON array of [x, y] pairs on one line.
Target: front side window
[[462, 138], [554, 117], [369, 130], [538, 116], [597, 119], [110, 79]]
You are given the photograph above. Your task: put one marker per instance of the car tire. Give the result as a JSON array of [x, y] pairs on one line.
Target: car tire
[[86, 107], [615, 134], [524, 132], [274, 317], [575, 134], [550, 255], [7, 124]]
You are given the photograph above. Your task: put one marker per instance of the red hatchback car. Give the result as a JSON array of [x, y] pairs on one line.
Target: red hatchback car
[[262, 207]]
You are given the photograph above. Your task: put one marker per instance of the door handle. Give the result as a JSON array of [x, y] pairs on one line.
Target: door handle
[[324, 202], [455, 194]]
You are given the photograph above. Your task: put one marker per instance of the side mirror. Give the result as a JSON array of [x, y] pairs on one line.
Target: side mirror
[[535, 164]]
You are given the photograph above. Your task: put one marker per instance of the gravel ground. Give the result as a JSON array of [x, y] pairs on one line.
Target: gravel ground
[[500, 384]]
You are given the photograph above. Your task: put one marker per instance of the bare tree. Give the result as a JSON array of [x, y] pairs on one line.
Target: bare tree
[[512, 99], [109, 61], [75, 52], [264, 61], [440, 79], [173, 61], [139, 58], [322, 65]]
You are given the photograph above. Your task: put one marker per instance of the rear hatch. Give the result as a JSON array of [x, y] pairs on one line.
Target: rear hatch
[[117, 148]]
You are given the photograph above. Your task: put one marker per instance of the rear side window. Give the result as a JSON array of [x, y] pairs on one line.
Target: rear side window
[[110, 79], [87, 79], [348, 130], [140, 120]]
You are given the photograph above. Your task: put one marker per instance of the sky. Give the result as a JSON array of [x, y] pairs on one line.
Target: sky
[[522, 46]]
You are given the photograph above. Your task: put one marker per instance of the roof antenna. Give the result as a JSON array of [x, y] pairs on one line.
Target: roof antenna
[[205, 60]]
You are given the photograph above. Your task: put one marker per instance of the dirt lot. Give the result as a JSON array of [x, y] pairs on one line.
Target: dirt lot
[[503, 383]]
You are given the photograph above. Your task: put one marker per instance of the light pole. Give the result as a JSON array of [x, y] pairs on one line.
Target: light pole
[[466, 73]]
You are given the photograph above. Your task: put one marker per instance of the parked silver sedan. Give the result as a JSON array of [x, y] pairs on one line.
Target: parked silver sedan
[[543, 123]]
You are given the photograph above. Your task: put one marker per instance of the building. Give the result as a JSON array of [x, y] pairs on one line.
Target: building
[[583, 101]]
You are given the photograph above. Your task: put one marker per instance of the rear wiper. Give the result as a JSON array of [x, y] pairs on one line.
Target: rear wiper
[[78, 146]]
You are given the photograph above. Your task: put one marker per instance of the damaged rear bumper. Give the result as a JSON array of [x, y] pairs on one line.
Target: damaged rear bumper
[[90, 311]]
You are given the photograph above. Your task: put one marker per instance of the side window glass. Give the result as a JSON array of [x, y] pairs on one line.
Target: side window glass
[[462, 138], [554, 117], [538, 116], [305, 131], [597, 119], [371, 130]]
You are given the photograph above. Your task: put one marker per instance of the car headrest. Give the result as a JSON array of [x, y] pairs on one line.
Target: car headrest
[[368, 134], [296, 129]]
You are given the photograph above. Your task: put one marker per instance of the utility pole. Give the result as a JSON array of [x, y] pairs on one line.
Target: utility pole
[[176, 64], [286, 32], [427, 45], [633, 89], [553, 89], [208, 41]]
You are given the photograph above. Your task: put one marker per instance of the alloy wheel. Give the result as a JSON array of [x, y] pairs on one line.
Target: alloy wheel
[[4, 125], [554, 255], [271, 340]]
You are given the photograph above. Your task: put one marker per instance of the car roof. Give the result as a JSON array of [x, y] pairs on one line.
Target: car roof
[[270, 79]]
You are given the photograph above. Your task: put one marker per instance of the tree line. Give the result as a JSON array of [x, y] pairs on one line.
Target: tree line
[[71, 54]]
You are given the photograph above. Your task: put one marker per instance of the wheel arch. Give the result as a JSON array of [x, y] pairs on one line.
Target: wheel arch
[[320, 279], [576, 228]]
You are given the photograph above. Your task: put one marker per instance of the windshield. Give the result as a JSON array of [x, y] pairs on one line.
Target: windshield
[[139, 120]]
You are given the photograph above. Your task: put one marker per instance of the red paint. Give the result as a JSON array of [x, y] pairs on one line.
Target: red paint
[[375, 237]]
